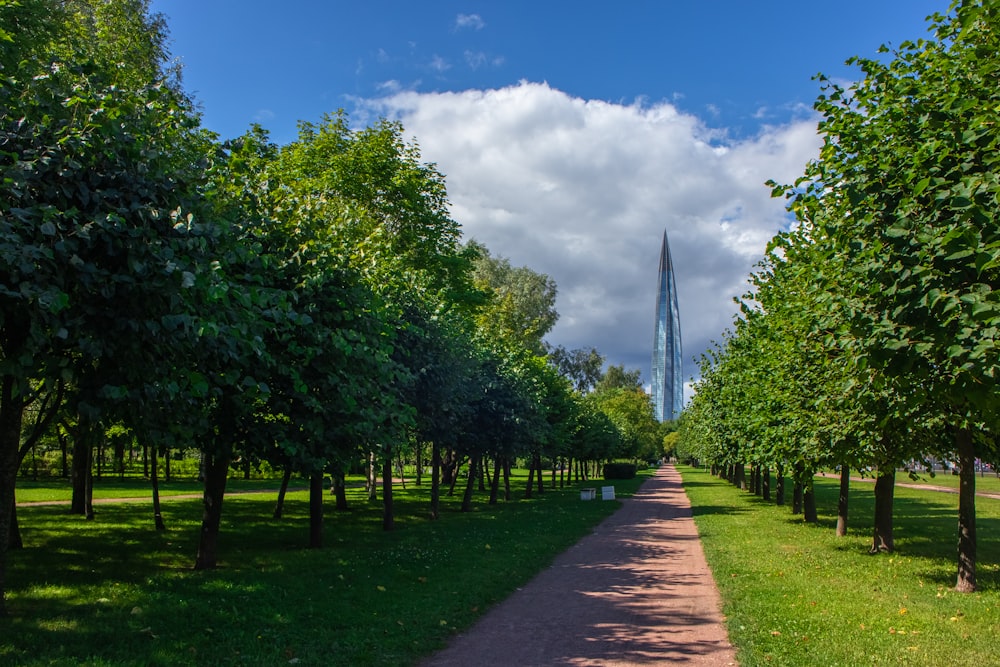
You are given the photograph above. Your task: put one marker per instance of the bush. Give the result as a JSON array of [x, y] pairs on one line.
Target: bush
[[619, 470]]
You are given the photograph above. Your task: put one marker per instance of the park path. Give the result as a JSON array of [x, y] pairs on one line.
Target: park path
[[637, 591]]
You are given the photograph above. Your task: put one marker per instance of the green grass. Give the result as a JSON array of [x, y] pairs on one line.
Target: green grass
[[795, 594], [57, 490], [985, 483], [113, 591]]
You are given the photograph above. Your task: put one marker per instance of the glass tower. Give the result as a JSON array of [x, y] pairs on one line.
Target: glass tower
[[668, 375]]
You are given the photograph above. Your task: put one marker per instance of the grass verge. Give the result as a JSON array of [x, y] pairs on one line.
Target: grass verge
[[795, 594], [113, 591]]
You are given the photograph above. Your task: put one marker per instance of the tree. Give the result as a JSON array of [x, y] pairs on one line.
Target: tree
[[582, 367], [521, 307], [904, 193], [100, 247], [616, 377]]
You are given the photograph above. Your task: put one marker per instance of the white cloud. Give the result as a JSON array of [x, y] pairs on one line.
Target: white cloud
[[263, 115], [477, 59], [439, 64], [470, 21], [582, 190], [390, 86]]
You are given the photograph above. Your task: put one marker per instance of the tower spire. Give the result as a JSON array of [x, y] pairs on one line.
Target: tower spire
[[667, 370]]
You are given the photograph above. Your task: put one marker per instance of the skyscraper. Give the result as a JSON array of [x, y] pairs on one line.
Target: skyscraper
[[668, 374]]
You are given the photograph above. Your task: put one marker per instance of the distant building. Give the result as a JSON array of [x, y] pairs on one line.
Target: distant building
[[668, 373]]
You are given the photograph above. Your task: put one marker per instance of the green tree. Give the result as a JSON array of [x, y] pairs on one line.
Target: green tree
[[581, 366], [616, 377], [100, 244], [905, 195], [521, 306]]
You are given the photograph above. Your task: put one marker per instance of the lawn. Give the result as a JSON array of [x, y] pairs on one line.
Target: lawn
[[795, 594], [113, 591]]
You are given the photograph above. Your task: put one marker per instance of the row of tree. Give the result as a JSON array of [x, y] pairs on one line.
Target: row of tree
[[308, 305], [870, 336]]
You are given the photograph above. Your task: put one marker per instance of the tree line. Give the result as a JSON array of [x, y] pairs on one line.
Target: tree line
[[869, 338], [309, 305]]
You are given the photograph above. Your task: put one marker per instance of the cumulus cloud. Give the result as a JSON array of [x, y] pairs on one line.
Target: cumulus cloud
[[582, 190]]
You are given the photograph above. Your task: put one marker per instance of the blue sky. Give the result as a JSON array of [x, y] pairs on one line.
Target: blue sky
[[571, 133]]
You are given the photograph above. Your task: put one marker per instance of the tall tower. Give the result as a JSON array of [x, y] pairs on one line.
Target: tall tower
[[668, 374]]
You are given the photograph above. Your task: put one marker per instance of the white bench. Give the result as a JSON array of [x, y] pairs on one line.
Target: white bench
[[607, 493], [588, 494]]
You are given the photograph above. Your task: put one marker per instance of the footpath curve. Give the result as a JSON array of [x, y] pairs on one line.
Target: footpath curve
[[637, 591]]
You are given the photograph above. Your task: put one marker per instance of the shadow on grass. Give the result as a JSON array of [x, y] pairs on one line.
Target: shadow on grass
[[121, 592], [924, 525]]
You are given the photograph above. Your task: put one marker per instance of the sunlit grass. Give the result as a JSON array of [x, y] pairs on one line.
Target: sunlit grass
[[113, 591], [795, 594]]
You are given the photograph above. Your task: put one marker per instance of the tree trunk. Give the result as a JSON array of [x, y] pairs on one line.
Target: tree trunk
[[449, 466], [388, 520], [279, 506], [371, 477], [506, 479], [79, 468], [797, 497], [765, 483], [11, 417], [216, 474], [538, 466], [779, 486], [16, 541], [483, 474], [845, 488], [531, 478], [470, 484], [154, 479], [966, 582], [88, 494], [419, 472], [166, 465], [340, 491], [435, 480], [495, 482], [454, 477], [809, 504], [885, 486], [316, 510], [64, 453]]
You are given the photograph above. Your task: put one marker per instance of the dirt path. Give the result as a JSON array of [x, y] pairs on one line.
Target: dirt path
[[637, 591]]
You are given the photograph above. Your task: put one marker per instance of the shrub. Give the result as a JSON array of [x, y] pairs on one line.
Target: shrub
[[619, 470]]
